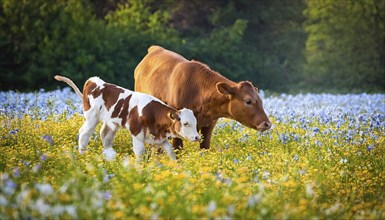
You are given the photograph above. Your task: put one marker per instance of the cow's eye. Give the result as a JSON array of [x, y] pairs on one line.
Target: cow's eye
[[185, 124], [248, 102]]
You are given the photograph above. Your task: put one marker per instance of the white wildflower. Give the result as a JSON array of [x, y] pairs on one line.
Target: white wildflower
[[71, 210], [333, 209], [254, 199], [45, 189], [309, 190], [36, 168], [211, 207], [3, 201], [126, 162], [109, 154], [154, 216], [58, 210], [231, 209], [98, 201], [41, 206]]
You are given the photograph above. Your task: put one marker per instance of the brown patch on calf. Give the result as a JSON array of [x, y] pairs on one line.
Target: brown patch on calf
[[87, 90], [155, 118], [176, 128], [134, 121], [117, 109], [110, 94], [124, 114], [96, 92]]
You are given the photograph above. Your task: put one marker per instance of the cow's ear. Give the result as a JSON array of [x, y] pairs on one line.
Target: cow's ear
[[225, 88], [173, 115]]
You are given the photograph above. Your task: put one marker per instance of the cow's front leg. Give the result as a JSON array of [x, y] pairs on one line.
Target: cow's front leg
[[177, 143], [206, 133]]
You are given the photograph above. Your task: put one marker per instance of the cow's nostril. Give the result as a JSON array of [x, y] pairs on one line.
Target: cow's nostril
[[264, 126]]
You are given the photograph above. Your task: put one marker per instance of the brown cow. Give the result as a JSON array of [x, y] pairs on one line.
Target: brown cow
[[191, 84]]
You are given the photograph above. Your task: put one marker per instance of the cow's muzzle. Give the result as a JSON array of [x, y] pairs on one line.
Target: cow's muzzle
[[264, 126]]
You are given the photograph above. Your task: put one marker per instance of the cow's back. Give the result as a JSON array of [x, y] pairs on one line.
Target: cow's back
[[175, 80], [152, 75]]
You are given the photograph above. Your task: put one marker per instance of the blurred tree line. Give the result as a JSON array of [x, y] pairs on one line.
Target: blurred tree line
[[282, 46]]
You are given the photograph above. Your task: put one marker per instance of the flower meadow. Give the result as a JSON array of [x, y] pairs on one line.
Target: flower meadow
[[323, 158]]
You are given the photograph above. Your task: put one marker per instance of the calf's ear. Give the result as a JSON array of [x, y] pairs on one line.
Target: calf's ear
[[225, 88], [173, 115]]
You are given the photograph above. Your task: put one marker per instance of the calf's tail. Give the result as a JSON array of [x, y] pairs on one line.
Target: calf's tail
[[70, 83]]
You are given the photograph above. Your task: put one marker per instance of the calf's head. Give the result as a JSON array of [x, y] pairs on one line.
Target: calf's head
[[185, 124], [245, 105]]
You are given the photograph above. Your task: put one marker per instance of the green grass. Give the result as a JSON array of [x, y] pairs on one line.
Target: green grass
[[244, 175]]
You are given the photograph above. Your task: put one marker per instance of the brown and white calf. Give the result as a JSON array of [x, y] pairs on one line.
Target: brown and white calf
[[190, 84], [147, 118]]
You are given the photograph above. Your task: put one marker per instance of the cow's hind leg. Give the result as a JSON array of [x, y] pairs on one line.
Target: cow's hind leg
[[177, 143], [85, 132], [107, 134]]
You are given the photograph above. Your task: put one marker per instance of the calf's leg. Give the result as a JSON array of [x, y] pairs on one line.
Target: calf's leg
[[107, 134], [168, 148], [85, 133], [138, 146]]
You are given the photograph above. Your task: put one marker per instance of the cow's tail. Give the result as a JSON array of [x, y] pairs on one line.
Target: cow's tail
[[70, 83], [153, 47]]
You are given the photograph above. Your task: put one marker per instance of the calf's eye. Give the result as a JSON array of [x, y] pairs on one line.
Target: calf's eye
[[185, 124]]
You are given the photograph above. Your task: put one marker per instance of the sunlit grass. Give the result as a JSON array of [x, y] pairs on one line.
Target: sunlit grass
[[321, 170]]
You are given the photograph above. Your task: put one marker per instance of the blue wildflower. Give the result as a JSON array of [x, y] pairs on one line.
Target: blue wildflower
[[266, 174], [48, 139], [16, 172], [107, 195], [43, 157], [15, 131], [9, 187], [283, 138]]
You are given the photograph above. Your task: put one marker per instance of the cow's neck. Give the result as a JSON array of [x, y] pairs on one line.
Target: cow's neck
[[220, 107], [217, 106]]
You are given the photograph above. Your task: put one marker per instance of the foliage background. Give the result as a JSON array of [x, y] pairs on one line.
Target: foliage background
[[281, 46]]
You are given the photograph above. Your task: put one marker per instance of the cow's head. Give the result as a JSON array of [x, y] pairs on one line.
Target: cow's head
[[185, 124], [245, 105]]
